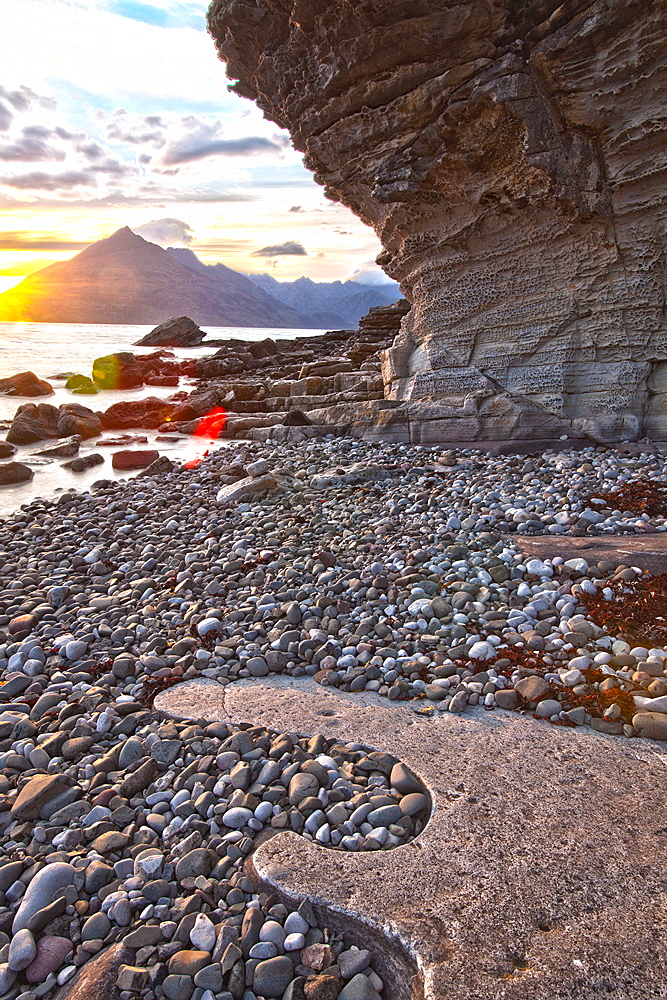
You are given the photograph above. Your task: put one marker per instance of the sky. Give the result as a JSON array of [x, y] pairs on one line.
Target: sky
[[116, 113]]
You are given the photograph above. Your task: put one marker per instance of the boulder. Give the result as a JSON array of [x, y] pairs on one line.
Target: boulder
[[245, 489], [84, 462], [651, 725], [7, 449], [42, 890], [51, 953], [148, 413], [179, 331], [117, 371], [37, 793], [25, 384], [64, 449], [505, 154], [266, 348], [81, 385], [296, 418], [12, 473], [34, 422], [73, 418], [158, 379], [160, 467], [98, 978], [128, 460], [198, 404]]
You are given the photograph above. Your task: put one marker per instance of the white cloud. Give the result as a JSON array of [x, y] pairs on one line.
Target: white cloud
[[165, 232], [200, 138], [368, 273]]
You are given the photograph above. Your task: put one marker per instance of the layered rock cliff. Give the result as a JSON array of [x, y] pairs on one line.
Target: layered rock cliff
[[510, 155]]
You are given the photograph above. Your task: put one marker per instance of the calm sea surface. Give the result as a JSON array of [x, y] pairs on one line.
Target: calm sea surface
[[48, 349]]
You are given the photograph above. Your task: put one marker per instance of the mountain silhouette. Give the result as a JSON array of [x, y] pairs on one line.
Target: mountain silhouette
[[125, 279]]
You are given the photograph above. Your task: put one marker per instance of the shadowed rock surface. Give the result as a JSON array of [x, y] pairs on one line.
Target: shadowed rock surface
[[508, 157]]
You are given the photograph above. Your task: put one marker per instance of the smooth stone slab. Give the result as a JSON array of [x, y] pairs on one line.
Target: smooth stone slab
[[648, 552], [543, 848]]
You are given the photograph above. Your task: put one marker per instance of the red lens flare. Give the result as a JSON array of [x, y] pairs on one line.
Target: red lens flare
[[210, 426]]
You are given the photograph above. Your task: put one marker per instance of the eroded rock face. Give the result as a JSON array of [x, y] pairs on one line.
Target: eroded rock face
[[510, 156]]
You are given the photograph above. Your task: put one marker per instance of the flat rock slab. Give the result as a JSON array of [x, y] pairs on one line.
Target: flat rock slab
[[541, 874], [648, 552]]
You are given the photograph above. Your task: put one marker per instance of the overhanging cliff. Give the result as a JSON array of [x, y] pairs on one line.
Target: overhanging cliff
[[511, 157]]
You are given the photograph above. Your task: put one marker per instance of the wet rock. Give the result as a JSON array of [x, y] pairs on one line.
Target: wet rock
[[128, 460], [148, 413], [84, 462], [64, 449], [117, 371], [81, 385], [179, 331], [12, 473], [25, 384]]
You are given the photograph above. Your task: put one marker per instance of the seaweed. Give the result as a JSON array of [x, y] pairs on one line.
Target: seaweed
[[641, 496], [637, 608], [152, 686]]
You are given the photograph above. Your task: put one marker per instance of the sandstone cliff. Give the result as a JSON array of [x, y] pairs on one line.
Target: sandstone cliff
[[511, 158]]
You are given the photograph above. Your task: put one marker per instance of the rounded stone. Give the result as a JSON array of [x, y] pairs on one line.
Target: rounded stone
[[22, 950], [42, 890], [273, 976], [202, 935], [651, 725], [237, 817]]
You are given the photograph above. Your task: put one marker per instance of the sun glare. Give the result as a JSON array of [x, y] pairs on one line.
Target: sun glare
[[7, 282]]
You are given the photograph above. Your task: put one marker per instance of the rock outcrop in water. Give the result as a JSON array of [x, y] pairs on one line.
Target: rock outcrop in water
[[510, 156]]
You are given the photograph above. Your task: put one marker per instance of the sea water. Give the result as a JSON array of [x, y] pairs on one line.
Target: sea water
[[50, 349]]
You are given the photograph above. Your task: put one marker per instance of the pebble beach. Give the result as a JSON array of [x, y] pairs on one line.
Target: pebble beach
[[385, 568]]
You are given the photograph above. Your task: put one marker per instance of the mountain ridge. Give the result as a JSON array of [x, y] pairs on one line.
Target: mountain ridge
[[126, 279]]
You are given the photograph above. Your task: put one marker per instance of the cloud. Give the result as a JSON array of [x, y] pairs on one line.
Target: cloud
[[23, 98], [369, 273], [24, 240], [38, 180], [289, 249], [114, 167], [120, 199], [200, 139], [166, 231], [91, 149], [31, 146], [6, 117], [138, 130], [223, 246]]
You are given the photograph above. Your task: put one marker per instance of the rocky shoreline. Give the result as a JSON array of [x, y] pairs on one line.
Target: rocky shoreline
[[286, 390], [424, 576], [376, 568]]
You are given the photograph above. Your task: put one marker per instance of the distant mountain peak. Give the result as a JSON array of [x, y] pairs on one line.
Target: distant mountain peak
[[123, 235]]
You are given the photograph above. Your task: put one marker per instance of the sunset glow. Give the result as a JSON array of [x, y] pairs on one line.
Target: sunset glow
[[172, 152]]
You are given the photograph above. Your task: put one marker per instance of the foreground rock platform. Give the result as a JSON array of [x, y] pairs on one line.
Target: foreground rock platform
[[538, 875]]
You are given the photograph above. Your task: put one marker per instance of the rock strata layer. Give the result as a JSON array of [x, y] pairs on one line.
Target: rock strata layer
[[508, 157]]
